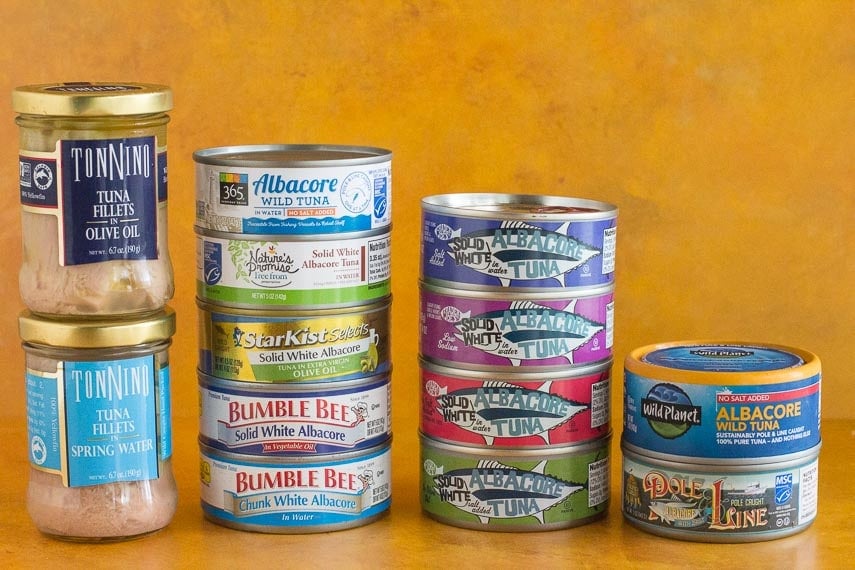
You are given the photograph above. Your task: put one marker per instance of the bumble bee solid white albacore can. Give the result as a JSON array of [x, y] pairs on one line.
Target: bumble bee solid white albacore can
[[252, 271], [313, 419], [514, 490], [517, 241], [712, 502], [294, 190], [276, 495], [722, 401]]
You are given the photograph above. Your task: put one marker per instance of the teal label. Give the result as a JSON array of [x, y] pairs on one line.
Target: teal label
[[723, 358], [99, 422]]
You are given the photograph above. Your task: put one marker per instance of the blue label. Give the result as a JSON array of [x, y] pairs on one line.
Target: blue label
[[783, 488], [162, 188], [109, 199], [723, 358], [380, 197], [212, 262], [37, 182], [110, 419]]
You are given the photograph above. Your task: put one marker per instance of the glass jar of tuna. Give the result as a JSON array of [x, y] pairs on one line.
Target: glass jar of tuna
[[98, 426], [93, 192]]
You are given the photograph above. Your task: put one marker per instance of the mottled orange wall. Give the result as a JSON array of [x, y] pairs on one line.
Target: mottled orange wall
[[723, 130]]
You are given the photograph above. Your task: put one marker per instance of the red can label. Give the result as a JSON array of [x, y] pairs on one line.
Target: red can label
[[488, 411]]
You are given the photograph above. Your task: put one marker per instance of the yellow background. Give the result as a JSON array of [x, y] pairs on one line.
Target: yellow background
[[722, 130]]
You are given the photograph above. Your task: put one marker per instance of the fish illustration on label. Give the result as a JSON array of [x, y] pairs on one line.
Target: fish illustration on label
[[527, 331], [493, 490], [517, 250], [677, 513], [501, 409]]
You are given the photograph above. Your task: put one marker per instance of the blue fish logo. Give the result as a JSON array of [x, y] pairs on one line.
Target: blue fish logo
[[501, 409], [493, 490], [528, 331], [519, 251]]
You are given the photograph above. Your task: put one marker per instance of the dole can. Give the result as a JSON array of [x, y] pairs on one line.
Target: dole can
[[312, 419], [517, 241], [722, 401], [293, 190], [713, 502], [242, 271], [515, 490], [294, 347], [290, 496], [496, 330], [515, 409]]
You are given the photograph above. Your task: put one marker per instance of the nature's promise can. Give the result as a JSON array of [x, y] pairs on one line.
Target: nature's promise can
[[294, 190], [293, 347], [305, 420], [272, 271], [515, 409], [517, 241], [722, 401], [515, 490], [496, 330], [296, 495]]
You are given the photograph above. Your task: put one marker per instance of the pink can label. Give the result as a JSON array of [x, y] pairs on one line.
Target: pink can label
[[537, 413], [487, 333]]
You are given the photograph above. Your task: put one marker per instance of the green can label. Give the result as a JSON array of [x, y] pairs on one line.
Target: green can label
[[516, 492], [288, 274]]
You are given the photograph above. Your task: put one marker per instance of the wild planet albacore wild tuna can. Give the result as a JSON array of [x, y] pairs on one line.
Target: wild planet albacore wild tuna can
[[517, 241]]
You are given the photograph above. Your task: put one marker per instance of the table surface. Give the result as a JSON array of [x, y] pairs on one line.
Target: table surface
[[406, 538]]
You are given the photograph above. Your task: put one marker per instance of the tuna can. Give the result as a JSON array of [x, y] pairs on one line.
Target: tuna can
[[293, 347], [492, 330], [724, 401], [295, 190], [514, 490], [515, 409], [711, 502], [275, 495], [313, 419], [517, 241], [248, 272]]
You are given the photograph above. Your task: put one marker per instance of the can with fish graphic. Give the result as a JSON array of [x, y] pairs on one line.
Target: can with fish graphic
[[515, 490], [515, 409], [733, 402], [517, 241], [712, 502], [495, 330]]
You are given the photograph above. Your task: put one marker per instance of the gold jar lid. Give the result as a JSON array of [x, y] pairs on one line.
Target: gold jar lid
[[91, 99], [96, 333]]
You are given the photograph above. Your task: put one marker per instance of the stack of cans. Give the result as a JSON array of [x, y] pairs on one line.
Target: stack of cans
[[721, 440], [516, 316], [294, 293]]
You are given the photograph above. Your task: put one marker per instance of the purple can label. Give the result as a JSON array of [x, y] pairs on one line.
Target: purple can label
[[486, 333], [554, 410], [531, 254]]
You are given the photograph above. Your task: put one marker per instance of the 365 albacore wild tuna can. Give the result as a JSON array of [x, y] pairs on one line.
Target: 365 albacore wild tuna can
[[250, 271], [517, 241], [312, 419], [515, 490], [295, 190], [291, 347], [711, 502], [490, 330], [723, 401], [276, 495], [515, 409]]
